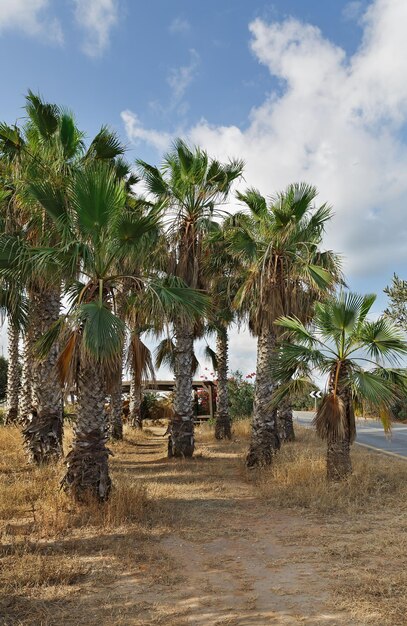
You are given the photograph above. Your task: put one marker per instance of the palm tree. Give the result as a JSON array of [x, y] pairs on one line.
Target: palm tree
[[98, 232], [278, 243], [45, 156], [45, 148], [13, 306], [355, 354], [13, 372], [223, 272], [192, 185], [130, 307], [141, 367], [219, 358]]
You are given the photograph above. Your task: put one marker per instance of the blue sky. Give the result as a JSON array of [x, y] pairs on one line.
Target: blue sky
[[312, 91], [146, 43]]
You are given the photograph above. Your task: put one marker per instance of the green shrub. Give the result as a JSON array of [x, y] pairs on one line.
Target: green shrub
[[241, 394]]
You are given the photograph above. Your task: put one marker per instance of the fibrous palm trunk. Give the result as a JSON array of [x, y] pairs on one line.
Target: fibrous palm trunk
[[338, 461], [25, 397], [222, 424], [87, 462], [13, 373], [264, 437], [44, 422], [135, 403], [285, 421], [116, 410], [181, 440]]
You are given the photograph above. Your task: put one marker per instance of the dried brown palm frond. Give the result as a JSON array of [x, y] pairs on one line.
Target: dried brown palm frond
[[139, 359], [67, 360], [330, 420]]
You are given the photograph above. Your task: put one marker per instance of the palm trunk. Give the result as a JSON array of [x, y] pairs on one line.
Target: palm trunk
[[87, 462], [338, 460], [264, 438], [181, 440], [223, 423], [285, 421], [13, 373], [44, 430], [116, 409], [25, 398], [135, 403]]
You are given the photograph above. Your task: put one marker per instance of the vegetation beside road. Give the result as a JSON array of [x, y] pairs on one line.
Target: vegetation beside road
[[115, 565]]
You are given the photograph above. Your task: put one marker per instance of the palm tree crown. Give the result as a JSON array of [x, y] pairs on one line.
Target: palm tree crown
[[280, 243]]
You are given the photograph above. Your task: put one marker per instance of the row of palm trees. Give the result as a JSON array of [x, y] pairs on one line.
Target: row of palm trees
[[88, 265]]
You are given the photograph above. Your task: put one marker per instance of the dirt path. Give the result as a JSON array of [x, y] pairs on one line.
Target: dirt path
[[230, 560], [208, 552]]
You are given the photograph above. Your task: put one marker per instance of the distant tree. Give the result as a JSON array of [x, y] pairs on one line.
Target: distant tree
[[397, 310], [301, 400]]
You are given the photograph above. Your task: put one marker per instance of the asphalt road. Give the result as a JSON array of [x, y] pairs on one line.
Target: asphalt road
[[370, 433]]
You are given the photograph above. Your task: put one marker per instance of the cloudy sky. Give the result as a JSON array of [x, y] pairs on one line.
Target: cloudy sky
[[303, 91]]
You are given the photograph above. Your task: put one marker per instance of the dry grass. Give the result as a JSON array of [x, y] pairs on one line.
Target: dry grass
[[53, 550], [51, 546], [240, 431], [33, 494], [298, 480], [359, 527], [23, 569]]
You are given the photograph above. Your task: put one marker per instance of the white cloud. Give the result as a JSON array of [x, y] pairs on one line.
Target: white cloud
[[96, 18], [136, 133], [337, 121], [179, 25], [338, 124], [180, 78], [352, 11], [30, 17]]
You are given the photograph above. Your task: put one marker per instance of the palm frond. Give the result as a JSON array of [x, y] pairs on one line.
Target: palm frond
[[165, 354], [139, 359], [211, 355], [97, 197], [383, 339], [106, 146], [256, 203], [49, 338], [298, 385], [52, 198], [103, 333], [374, 387], [170, 298], [71, 138], [153, 178], [297, 329], [330, 420], [44, 116]]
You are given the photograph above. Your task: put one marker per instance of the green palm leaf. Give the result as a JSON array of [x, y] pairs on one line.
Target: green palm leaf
[[103, 333], [96, 196], [105, 146]]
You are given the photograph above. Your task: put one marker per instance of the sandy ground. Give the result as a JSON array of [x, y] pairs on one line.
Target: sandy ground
[[214, 554], [233, 560]]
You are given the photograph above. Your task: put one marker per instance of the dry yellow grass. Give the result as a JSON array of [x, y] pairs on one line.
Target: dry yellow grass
[[33, 495], [359, 526], [298, 480], [55, 554]]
